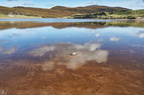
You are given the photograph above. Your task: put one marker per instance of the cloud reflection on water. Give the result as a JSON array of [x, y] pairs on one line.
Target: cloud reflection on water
[[1, 49], [141, 34], [9, 51], [115, 39], [97, 35], [47, 66], [86, 52]]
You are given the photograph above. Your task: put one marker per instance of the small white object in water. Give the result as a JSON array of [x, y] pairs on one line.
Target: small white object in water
[[74, 53]]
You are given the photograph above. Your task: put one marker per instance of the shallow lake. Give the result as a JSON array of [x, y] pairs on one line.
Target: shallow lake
[[43, 53]]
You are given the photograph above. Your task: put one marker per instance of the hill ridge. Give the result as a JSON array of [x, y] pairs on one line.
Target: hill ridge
[[58, 11]]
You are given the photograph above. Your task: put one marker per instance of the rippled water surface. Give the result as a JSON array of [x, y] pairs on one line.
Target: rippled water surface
[[71, 57]]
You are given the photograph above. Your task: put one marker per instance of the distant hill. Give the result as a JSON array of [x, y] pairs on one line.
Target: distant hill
[[57, 11], [30, 11], [89, 9]]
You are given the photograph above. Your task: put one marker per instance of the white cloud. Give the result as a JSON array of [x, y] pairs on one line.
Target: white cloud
[[140, 3], [115, 39], [95, 2], [12, 3], [92, 3], [135, 4], [50, 5]]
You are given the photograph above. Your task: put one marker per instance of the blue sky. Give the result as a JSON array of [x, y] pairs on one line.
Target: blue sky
[[132, 4]]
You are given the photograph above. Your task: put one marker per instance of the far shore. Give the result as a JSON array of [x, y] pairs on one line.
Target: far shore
[[21, 17], [123, 19], [16, 16]]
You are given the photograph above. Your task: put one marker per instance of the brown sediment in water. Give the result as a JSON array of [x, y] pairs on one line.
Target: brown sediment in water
[[56, 72], [30, 78]]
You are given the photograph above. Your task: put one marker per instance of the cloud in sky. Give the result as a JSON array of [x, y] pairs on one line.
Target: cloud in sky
[[135, 4], [13, 3], [27, 4], [95, 2], [86, 52], [50, 5], [92, 3]]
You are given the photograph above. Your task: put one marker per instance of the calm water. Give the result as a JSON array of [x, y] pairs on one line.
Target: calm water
[[31, 47], [38, 38]]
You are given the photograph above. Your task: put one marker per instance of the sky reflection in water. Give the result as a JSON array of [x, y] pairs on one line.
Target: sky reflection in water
[[92, 41]]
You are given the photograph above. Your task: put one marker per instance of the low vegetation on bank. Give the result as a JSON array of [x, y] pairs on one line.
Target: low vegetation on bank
[[124, 14]]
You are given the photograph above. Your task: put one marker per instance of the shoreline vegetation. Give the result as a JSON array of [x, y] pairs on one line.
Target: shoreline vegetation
[[87, 12], [124, 14]]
